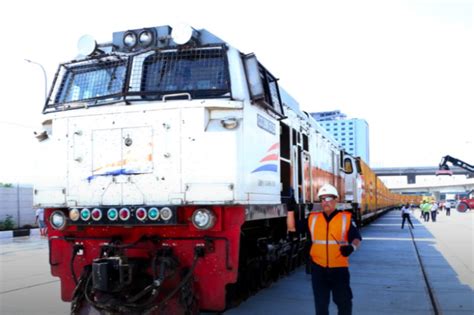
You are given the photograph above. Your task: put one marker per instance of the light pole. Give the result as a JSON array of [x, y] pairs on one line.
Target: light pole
[[45, 77]]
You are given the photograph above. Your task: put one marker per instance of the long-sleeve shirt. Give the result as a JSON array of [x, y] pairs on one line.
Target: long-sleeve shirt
[[405, 210]]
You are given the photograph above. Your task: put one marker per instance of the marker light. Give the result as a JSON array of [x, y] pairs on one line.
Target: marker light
[[141, 214], [145, 38], [130, 39], [112, 214], [96, 214], [85, 214], [124, 214], [58, 220], [153, 214], [74, 214], [203, 219], [166, 213]]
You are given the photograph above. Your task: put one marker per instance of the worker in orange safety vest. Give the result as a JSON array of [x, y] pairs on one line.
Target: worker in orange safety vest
[[334, 237]]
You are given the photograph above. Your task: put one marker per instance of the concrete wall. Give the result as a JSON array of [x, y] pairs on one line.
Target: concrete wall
[[17, 201]]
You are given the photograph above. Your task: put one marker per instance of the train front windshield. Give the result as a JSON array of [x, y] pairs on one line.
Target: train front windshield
[[200, 73], [152, 75], [98, 80]]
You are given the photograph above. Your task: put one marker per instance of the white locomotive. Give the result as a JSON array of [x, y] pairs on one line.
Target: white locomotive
[[198, 123]]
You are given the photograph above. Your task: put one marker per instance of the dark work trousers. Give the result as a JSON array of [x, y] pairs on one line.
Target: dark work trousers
[[406, 216], [335, 280], [433, 216], [448, 211], [427, 216]]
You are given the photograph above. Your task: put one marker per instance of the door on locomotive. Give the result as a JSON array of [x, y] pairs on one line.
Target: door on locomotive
[[294, 173]]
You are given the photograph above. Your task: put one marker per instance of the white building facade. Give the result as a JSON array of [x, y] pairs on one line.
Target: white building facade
[[352, 134]]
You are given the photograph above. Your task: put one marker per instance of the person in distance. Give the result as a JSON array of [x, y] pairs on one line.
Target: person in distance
[[406, 215]]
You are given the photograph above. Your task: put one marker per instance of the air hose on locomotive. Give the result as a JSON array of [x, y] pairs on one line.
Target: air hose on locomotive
[[113, 300]]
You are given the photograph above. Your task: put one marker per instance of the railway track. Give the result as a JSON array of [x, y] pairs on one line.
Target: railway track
[[433, 300]]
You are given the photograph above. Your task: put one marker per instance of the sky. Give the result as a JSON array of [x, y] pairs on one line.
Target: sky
[[406, 67]]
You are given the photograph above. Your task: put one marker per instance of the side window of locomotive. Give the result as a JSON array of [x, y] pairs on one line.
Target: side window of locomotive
[[101, 80], [305, 143], [358, 166], [262, 84], [199, 72], [272, 93], [285, 142]]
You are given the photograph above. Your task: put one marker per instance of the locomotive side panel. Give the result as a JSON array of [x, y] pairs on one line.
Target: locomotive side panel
[[325, 163], [260, 156], [210, 155]]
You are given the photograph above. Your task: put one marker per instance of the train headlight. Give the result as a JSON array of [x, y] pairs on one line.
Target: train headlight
[[145, 38], [124, 214], [74, 214], [58, 220], [141, 214], [85, 214], [153, 213], [166, 213], [112, 214], [130, 39], [230, 123], [203, 219], [96, 214]]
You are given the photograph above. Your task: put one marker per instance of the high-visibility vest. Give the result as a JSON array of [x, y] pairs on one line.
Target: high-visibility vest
[[327, 237], [426, 207]]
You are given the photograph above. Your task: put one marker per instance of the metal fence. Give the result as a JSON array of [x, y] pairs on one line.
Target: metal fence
[[16, 201]]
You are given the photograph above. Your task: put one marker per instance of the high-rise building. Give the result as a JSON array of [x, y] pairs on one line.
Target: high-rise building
[[352, 134]]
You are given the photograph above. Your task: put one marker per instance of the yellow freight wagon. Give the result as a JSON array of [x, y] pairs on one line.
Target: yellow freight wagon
[[373, 197]]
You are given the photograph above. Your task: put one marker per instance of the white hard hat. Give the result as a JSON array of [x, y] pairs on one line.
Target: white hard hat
[[327, 189]]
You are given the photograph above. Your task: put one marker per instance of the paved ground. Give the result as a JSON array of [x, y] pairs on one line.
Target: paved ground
[[26, 285], [386, 277], [455, 239]]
